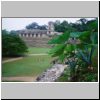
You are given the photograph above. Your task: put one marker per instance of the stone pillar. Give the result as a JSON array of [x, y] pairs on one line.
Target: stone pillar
[[19, 35], [39, 35], [34, 35], [30, 35], [26, 35], [22, 35]]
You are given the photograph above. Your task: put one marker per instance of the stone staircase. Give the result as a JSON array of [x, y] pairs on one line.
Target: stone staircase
[[36, 42]]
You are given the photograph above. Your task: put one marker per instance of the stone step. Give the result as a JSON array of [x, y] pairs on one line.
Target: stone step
[[36, 42], [51, 74]]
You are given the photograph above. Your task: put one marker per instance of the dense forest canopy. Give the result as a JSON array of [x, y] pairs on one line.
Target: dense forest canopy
[[35, 25], [79, 25]]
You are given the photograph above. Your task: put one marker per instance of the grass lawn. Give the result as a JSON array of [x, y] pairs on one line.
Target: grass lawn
[[28, 66], [34, 50]]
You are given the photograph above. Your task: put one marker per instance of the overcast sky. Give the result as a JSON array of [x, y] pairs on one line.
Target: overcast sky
[[20, 23]]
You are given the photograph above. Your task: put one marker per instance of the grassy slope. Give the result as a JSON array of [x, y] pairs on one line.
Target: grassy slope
[[34, 50], [28, 66]]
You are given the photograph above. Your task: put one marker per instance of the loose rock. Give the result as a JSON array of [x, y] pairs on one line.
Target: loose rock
[[51, 74]]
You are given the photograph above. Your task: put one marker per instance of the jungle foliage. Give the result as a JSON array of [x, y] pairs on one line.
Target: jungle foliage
[[79, 49]]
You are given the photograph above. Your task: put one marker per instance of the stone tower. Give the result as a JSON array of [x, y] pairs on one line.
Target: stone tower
[[50, 28]]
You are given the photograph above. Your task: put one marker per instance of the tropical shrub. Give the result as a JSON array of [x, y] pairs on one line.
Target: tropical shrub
[[12, 44], [77, 50]]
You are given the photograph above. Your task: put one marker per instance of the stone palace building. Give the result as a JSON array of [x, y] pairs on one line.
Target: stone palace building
[[36, 37]]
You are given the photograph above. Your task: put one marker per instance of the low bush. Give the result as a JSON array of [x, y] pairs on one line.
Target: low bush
[[12, 44]]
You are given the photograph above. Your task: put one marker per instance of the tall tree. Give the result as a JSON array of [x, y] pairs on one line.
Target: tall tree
[[12, 44], [35, 25]]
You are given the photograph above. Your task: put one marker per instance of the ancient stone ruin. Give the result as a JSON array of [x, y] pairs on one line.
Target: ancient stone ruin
[[36, 37], [51, 74]]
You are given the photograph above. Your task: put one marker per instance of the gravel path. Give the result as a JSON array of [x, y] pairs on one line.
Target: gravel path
[[22, 79], [51, 74], [37, 54], [13, 59]]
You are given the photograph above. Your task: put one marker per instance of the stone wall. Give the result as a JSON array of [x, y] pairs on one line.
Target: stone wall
[[36, 42]]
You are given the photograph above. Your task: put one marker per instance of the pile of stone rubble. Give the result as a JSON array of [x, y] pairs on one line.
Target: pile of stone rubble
[[51, 74]]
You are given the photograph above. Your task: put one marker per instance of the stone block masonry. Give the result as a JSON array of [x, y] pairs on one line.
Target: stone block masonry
[[36, 42], [37, 37]]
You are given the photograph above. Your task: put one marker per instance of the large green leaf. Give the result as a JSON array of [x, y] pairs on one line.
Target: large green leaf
[[86, 53], [62, 57], [70, 47], [85, 37], [82, 56], [94, 38], [57, 50], [93, 25], [80, 46], [91, 53], [60, 39], [75, 34]]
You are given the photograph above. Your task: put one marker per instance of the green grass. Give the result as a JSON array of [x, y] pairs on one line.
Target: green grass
[[28, 66], [34, 50]]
